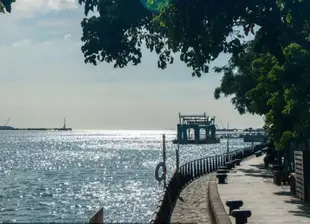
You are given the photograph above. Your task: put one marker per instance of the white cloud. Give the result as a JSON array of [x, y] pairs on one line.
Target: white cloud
[[44, 5], [67, 36], [21, 43]]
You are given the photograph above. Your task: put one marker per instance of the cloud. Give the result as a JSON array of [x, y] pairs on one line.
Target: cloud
[[21, 43], [44, 5], [67, 36]]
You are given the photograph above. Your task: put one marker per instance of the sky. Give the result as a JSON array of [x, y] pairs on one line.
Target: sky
[[44, 78]]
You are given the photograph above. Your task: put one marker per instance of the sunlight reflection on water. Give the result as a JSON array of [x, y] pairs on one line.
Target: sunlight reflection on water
[[67, 176]]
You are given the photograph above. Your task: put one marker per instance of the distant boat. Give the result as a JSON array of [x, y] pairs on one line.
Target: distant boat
[[254, 135]]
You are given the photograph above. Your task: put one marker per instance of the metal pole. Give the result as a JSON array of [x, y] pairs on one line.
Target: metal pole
[[227, 152], [164, 157], [177, 157], [177, 165]]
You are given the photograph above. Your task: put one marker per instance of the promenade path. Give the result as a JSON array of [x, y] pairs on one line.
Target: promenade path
[[193, 205], [268, 202]]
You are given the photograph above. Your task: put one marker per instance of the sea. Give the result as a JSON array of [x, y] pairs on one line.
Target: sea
[[67, 176]]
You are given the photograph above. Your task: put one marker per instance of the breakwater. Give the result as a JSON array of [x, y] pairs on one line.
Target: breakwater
[[189, 172], [41, 129]]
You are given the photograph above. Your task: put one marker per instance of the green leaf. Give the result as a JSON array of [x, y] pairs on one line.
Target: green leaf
[[288, 17]]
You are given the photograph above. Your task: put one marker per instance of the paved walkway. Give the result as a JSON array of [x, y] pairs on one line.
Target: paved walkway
[[268, 202], [193, 206]]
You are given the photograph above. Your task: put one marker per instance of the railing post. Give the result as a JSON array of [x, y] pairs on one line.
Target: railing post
[[192, 170], [186, 169], [210, 164], [199, 167], [213, 163], [196, 168], [220, 160], [185, 172], [204, 166]]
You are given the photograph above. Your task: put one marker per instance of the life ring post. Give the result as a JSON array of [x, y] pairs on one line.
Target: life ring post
[[164, 158]]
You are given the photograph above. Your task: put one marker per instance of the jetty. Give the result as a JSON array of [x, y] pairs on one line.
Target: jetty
[[196, 129], [10, 128]]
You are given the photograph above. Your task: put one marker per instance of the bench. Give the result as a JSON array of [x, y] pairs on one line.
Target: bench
[[234, 204], [221, 178], [241, 216]]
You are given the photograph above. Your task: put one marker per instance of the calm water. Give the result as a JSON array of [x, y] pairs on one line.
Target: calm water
[[67, 176]]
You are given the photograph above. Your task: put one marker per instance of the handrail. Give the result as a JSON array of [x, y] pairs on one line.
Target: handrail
[[188, 172]]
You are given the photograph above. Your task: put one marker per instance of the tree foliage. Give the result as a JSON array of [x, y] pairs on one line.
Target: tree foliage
[[260, 84], [200, 30], [5, 5]]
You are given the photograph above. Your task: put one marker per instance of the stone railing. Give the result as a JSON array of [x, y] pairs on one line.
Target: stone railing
[[189, 172]]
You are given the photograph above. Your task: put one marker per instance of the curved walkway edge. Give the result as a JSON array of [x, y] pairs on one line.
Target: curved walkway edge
[[217, 210]]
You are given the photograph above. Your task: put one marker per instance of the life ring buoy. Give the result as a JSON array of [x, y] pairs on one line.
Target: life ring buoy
[[163, 174]]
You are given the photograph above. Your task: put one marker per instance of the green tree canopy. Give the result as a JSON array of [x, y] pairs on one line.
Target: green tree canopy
[[199, 29], [5, 5], [260, 84]]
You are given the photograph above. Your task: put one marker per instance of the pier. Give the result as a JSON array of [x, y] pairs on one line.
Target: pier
[[196, 129], [10, 128], [41, 129]]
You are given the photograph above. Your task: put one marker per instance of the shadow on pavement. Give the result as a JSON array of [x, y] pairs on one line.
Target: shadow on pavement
[[256, 172], [303, 208]]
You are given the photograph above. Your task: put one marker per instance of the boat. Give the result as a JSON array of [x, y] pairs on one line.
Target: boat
[[254, 135]]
